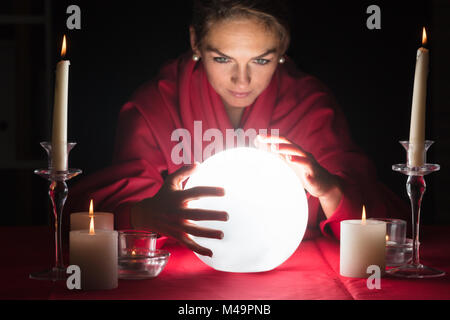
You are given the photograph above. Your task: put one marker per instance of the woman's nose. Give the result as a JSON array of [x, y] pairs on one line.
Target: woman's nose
[[241, 76]]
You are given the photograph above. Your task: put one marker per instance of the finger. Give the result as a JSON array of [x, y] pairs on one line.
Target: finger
[[187, 241], [181, 175], [270, 143], [306, 163], [290, 149], [310, 179], [282, 145], [202, 215], [192, 245], [272, 139], [198, 231], [198, 192], [300, 160]]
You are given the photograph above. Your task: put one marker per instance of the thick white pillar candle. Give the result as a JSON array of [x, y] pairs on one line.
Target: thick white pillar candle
[[81, 220], [417, 126], [363, 243], [96, 255], [59, 130]]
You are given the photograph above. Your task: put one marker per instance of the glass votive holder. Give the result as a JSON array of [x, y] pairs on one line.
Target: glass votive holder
[[398, 254], [397, 245], [395, 230], [138, 256]]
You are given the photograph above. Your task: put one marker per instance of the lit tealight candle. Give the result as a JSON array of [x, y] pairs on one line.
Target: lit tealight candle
[[363, 243], [96, 253], [81, 220]]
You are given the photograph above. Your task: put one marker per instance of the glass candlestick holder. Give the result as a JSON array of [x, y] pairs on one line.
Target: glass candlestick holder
[[415, 168], [58, 194]]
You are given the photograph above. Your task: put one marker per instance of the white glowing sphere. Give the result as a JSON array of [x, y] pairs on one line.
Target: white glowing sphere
[[266, 204]]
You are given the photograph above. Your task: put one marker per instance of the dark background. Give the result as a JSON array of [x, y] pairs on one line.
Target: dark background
[[123, 44]]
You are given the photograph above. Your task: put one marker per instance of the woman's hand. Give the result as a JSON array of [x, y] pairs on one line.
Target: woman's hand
[[315, 179], [167, 213]]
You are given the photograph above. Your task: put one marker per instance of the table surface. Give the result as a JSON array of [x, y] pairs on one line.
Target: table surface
[[312, 272]]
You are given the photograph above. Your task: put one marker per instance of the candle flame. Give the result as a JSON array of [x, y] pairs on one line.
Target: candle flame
[[363, 221], [387, 238], [91, 226], [64, 48], [133, 253], [91, 208], [424, 36]]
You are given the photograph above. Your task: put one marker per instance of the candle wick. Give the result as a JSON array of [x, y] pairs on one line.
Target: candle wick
[[363, 220], [91, 226]]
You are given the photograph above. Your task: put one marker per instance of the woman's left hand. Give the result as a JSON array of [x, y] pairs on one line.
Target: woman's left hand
[[315, 179]]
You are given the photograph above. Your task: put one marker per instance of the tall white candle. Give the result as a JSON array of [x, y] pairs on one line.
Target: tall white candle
[[363, 243], [417, 126], [59, 130]]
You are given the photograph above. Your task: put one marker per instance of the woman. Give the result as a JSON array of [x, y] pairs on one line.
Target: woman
[[237, 76]]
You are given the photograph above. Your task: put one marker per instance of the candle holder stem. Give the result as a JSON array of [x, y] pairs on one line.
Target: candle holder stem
[[415, 187], [57, 192]]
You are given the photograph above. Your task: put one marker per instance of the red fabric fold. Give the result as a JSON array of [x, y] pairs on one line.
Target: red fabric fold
[[297, 104]]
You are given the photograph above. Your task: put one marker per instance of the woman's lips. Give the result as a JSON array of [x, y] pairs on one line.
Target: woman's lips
[[240, 94]]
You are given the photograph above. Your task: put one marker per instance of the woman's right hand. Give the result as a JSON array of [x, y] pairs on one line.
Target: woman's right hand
[[167, 212]]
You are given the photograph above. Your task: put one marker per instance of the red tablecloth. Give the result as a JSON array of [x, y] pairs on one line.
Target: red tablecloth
[[311, 273]]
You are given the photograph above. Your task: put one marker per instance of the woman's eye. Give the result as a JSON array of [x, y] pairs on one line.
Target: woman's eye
[[262, 61], [221, 59]]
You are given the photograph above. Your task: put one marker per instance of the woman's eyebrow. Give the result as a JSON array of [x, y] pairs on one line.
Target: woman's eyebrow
[[273, 50], [209, 48]]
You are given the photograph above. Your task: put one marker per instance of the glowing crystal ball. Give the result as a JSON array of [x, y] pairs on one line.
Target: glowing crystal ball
[[266, 204]]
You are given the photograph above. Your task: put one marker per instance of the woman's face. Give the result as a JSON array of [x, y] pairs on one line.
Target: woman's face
[[240, 57]]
